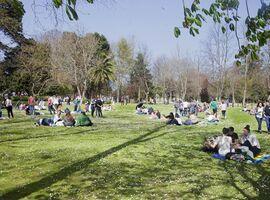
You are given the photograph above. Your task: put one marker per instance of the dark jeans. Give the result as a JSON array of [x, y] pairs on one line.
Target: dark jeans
[[98, 112], [75, 107], [255, 150], [259, 120], [267, 120], [10, 112], [31, 109], [51, 109], [92, 111]]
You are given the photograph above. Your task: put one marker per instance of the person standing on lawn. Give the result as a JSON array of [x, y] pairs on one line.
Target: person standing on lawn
[[259, 116], [267, 116], [31, 105], [214, 107], [9, 107], [223, 108]]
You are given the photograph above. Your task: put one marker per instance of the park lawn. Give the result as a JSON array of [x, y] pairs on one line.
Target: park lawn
[[124, 156]]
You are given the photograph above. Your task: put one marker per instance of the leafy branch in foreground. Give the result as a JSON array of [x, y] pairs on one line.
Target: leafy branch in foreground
[[226, 12]]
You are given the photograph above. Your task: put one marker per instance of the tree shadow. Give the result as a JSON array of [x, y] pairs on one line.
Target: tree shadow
[[260, 183], [45, 136], [25, 190]]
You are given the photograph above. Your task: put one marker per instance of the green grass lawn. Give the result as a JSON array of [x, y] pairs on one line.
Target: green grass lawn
[[124, 156]]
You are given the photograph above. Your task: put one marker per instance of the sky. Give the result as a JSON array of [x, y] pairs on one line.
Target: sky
[[149, 22]]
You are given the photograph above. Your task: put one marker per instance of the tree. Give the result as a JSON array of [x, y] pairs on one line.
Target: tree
[[140, 78], [162, 75], [73, 58], [123, 53], [257, 31], [102, 73], [204, 92], [35, 68], [217, 52], [11, 14]]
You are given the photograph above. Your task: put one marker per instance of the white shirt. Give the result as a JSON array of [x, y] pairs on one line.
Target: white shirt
[[185, 104], [259, 112], [252, 139], [224, 106], [8, 102], [224, 144]]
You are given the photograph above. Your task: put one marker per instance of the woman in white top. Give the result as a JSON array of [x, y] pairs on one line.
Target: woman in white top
[[9, 107], [250, 140], [223, 142], [223, 108], [259, 116]]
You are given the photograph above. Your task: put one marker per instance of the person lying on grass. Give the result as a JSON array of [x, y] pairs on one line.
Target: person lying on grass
[[192, 120], [155, 115], [83, 120], [212, 119], [56, 120]]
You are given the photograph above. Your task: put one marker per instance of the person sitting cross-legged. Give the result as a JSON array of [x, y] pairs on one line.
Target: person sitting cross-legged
[[68, 119]]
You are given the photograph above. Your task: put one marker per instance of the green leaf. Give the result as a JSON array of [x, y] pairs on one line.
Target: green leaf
[[199, 16], [238, 63], [196, 30], [177, 32], [227, 19], [236, 18], [198, 22], [262, 41], [231, 26], [90, 1], [191, 32], [73, 12], [262, 23], [57, 3], [206, 12], [73, 2], [254, 56], [223, 29], [194, 7], [68, 13], [248, 33]]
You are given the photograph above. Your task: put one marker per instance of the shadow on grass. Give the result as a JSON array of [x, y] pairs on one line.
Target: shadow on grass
[[45, 136], [28, 189], [261, 184]]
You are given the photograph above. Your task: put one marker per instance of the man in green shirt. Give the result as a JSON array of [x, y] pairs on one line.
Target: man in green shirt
[[214, 107]]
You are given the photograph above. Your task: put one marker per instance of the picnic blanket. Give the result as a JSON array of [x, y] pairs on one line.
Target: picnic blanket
[[257, 160]]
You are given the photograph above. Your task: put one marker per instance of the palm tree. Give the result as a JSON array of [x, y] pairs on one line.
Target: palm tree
[[103, 72]]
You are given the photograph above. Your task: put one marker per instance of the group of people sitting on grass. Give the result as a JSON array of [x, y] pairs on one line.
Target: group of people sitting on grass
[[68, 120], [230, 146], [171, 119], [174, 118]]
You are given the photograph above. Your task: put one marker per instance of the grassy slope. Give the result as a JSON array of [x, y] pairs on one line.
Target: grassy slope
[[124, 156]]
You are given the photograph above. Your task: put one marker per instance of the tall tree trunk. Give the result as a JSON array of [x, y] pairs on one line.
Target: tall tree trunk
[[185, 89], [139, 94], [245, 87], [118, 95], [79, 91], [164, 97], [146, 96], [233, 97]]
